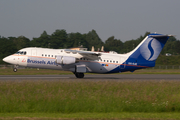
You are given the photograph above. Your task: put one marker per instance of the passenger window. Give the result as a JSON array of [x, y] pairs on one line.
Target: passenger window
[[25, 53], [107, 60], [48, 55], [116, 61], [42, 55], [51, 55], [113, 61], [45, 55], [104, 60]]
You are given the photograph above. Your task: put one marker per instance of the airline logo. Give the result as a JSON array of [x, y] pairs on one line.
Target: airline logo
[[153, 51], [24, 60]]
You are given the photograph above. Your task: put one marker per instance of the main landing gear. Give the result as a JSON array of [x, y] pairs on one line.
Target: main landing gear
[[79, 75], [15, 68]]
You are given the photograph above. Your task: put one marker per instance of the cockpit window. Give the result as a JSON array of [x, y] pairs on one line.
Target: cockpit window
[[21, 52], [17, 52]]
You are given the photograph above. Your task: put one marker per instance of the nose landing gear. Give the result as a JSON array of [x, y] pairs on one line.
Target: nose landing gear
[[15, 68]]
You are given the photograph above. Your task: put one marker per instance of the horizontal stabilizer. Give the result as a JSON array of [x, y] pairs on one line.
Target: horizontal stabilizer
[[158, 36]]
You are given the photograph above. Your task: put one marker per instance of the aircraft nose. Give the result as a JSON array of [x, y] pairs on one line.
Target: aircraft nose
[[10, 59], [7, 59]]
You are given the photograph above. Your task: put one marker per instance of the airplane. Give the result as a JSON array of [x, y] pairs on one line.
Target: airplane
[[80, 62]]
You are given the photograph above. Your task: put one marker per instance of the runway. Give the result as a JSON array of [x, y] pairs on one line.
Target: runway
[[93, 77]]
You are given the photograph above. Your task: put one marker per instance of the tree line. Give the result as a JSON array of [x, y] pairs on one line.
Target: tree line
[[61, 39]]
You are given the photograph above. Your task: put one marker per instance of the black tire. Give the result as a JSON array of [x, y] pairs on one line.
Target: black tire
[[15, 69], [79, 75]]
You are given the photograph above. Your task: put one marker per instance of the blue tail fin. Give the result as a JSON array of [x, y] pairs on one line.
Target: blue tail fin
[[146, 53]]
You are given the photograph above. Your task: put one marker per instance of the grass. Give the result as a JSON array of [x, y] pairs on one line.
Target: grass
[[82, 99], [88, 96], [89, 116]]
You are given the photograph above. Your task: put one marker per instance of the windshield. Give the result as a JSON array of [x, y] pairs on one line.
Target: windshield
[[21, 52], [17, 52]]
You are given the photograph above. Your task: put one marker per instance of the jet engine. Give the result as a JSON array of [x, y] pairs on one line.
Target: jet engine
[[65, 60]]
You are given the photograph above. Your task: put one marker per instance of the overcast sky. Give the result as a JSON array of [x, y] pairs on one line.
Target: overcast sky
[[124, 19]]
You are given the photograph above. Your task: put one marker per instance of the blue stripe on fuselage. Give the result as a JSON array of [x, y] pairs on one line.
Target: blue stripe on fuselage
[[127, 67]]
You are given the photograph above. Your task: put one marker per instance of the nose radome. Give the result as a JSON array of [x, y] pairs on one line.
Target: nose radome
[[10, 59], [7, 59]]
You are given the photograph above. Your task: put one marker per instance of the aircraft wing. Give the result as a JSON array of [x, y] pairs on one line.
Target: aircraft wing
[[87, 54]]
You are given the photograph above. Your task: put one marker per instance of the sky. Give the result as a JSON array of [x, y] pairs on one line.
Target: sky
[[123, 19]]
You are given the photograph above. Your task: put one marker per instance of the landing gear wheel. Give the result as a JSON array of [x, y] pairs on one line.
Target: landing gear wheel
[[15, 69], [79, 75]]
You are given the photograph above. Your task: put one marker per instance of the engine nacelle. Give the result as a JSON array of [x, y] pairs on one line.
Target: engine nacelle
[[65, 60]]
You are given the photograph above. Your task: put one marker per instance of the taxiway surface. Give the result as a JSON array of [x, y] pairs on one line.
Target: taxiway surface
[[93, 77]]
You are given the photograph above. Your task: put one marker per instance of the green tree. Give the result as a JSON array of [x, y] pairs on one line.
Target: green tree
[[93, 39], [172, 46], [112, 44], [77, 39], [42, 41], [132, 44], [58, 39], [20, 42], [7, 48]]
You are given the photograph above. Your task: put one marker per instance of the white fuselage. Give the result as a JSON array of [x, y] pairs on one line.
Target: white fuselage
[[46, 59]]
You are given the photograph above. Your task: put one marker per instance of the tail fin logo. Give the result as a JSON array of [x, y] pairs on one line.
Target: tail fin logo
[[150, 49]]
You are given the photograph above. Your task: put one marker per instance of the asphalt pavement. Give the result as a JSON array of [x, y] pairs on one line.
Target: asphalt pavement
[[94, 77]]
